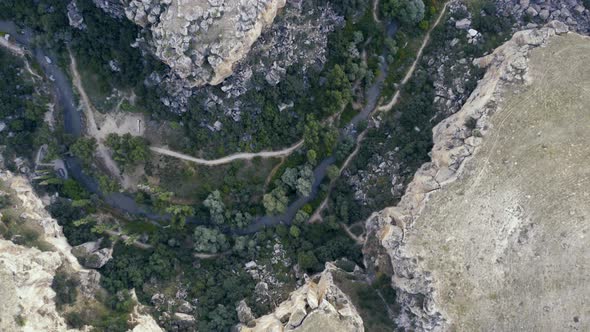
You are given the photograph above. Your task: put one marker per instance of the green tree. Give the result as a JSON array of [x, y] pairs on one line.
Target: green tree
[[214, 203], [84, 148], [338, 91], [294, 231], [333, 172], [128, 150], [307, 260], [209, 240], [276, 201], [305, 181], [179, 214], [107, 184], [409, 12]]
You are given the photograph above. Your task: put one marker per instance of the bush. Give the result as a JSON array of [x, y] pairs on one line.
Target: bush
[[65, 288]]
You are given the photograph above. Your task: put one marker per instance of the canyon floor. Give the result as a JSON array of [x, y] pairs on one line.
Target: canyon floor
[[507, 243]]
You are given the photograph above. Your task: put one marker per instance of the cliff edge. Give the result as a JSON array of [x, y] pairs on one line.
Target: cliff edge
[[490, 234]]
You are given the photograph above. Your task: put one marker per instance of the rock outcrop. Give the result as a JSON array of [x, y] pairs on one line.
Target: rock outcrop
[[25, 288], [428, 296], [315, 306], [26, 274], [202, 40], [91, 255]]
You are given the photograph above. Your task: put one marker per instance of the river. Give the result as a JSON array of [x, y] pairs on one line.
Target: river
[[124, 202]]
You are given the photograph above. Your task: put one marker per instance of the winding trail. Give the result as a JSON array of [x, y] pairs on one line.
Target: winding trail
[[91, 127], [317, 215], [410, 72], [228, 159]]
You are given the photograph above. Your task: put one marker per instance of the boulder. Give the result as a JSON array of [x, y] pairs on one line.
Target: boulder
[[463, 24], [244, 312]]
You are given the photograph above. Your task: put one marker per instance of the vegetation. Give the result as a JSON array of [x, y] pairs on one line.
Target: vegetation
[[21, 110], [128, 151], [408, 12], [84, 148]]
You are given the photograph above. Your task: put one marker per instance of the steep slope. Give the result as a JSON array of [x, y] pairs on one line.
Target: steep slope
[[315, 306], [202, 40], [490, 234], [26, 273]]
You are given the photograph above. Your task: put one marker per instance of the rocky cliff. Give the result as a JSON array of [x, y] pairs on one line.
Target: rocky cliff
[[472, 244], [318, 305], [202, 40], [27, 273]]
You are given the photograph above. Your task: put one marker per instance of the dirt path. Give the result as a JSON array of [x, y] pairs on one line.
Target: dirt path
[[410, 72], [317, 215], [92, 129], [230, 158]]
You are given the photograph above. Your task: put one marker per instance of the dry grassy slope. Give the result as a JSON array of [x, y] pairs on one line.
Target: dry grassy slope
[[507, 243]]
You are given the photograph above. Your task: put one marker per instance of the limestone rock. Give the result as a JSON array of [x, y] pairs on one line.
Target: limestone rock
[[463, 24], [454, 144], [320, 306], [91, 256], [75, 18], [244, 312], [201, 41]]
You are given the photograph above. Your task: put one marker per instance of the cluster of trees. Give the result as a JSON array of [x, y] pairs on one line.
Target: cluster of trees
[[128, 151], [220, 215], [84, 148], [21, 110], [336, 92], [297, 180], [321, 139], [209, 240], [408, 12], [104, 39]]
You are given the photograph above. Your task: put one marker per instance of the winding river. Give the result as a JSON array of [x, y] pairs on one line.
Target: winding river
[[124, 202]]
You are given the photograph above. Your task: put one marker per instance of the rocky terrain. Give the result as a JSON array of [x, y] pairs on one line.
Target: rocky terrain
[[26, 273], [482, 236], [318, 305], [201, 41]]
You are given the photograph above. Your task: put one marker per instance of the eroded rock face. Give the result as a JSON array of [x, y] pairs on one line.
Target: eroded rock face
[[202, 40], [25, 288], [473, 243], [315, 306], [27, 300]]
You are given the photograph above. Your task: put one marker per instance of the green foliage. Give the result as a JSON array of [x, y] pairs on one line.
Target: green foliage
[[21, 109], [305, 181], [179, 214], [107, 184], [307, 260], [209, 240], [424, 25], [408, 12], [276, 201], [337, 91], [5, 201], [128, 151], [294, 231], [73, 190], [216, 207], [66, 215], [333, 172], [84, 148], [65, 287]]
